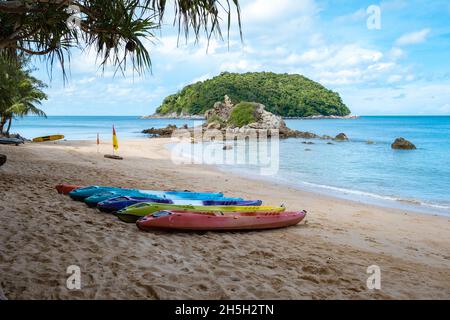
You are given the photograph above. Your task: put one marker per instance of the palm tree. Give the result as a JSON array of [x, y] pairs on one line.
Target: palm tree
[[20, 94], [115, 29], [26, 102]]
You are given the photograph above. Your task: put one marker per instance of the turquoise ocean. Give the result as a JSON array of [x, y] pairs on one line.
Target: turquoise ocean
[[371, 173]]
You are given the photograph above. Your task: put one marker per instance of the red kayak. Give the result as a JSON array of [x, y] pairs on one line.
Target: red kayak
[[66, 188], [210, 222]]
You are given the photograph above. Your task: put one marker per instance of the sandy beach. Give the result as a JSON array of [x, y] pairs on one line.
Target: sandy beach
[[325, 257]]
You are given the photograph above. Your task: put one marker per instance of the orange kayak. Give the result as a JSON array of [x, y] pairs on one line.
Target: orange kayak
[[178, 220], [66, 188]]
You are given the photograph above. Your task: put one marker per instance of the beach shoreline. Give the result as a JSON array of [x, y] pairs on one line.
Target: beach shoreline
[[325, 257]]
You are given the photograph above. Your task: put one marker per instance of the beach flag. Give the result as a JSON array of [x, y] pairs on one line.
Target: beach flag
[[115, 142]]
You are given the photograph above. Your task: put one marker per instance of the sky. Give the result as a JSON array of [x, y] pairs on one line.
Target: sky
[[398, 64]]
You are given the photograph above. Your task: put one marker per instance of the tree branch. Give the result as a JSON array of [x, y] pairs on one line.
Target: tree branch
[[39, 53]]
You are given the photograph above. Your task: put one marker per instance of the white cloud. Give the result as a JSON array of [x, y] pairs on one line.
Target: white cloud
[[396, 53], [416, 98], [242, 65], [413, 37], [445, 109], [201, 78], [268, 10], [358, 15], [395, 78]]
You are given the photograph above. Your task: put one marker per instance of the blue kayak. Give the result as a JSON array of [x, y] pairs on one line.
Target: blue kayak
[[83, 193], [92, 201], [116, 204], [119, 203]]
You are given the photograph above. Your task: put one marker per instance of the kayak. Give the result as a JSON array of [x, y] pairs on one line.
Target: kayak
[[14, 141], [83, 193], [49, 138], [210, 222], [66, 188], [134, 212], [119, 203], [116, 204], [94, 200]]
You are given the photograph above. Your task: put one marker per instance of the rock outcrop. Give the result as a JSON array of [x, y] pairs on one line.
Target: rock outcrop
[[266, 119], [403, 144], [221, 111], [249, 116], [341, 137], [162, 132]]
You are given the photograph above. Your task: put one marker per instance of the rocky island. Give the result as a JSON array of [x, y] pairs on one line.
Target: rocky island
[[290, 96], [242, 119]]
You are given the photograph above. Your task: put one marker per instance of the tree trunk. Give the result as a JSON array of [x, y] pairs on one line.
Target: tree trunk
[[2, 123], [9, 126]]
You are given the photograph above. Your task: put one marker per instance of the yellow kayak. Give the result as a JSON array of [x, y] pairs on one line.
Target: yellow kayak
[[134, 212], [49, 138]]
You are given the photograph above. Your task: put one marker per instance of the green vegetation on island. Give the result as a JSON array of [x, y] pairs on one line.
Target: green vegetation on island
[[287, 95], [242, 114]]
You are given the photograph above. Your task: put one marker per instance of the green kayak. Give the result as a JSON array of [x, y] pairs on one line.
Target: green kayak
[[137, 211]]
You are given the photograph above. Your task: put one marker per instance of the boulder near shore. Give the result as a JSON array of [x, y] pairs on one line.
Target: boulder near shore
[[341, 137], [403, 144]]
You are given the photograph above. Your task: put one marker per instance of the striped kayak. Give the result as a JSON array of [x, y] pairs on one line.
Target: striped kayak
[[116, 204], [49, 138], [210, 222], [83, 193], [134, 212]]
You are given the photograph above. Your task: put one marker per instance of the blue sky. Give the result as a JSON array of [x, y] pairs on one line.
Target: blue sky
[[402, 68]]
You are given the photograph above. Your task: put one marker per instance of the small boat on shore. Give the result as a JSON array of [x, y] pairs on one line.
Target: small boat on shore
[[66, 188], [11, 141], [86, 192], [94, 200], [194, 221], [119, 203], [137, 211], [49, 138], [116, 204]]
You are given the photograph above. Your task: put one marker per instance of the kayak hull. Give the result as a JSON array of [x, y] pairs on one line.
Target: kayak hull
[[135, 212], [66, 188], [83, 193], [86, 192], [116, 204], [192, 221], [49, 138], [97, 198], [11, 141]]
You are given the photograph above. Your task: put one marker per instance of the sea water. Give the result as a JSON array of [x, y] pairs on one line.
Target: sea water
[[87, 127], [357, 170], [366, 168]]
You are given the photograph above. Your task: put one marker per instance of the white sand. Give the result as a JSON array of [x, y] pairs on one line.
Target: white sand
[[42, 233]]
